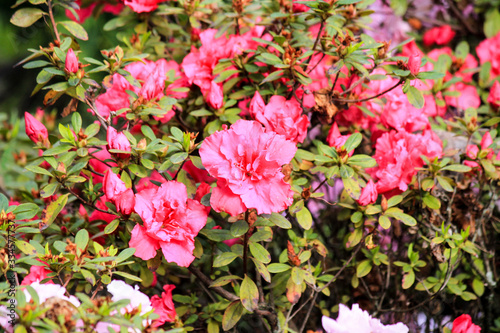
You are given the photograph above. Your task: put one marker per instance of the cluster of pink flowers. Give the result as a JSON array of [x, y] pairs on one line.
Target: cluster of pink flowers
[[148, 79]]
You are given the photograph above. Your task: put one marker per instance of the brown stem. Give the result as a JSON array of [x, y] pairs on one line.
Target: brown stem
[[51, 15], [367, 98]]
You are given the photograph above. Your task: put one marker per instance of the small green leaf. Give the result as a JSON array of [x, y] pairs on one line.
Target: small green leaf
[[278, 268], [415, 97], [53, 209], [260, 253], [304, 218], [25, 17], [232, 315], [280, 221], [249, 294], [82, 239], [75, 29], [384, 222], [224, 259], [353, 142], [363, 268], [111, 227], [408, 279], [478, 287]]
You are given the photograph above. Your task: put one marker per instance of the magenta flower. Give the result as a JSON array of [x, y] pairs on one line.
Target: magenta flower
[[164, 306], [438, 35], [247, 161], [488, 50], [281, 116], [171, 221], [143, 6], [464, 324]]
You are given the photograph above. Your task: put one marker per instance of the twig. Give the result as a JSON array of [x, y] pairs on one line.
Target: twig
[[51, 15]]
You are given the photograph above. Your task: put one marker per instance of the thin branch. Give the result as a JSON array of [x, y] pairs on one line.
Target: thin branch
[[51, 15]]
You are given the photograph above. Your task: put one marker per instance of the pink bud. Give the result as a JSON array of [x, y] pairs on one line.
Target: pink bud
[[71, 63], [112, 185], [414, 62], [35, 130], [118, 141], [125, 202], [486, 141], [369, 194], [472, 151], [257, 105], [214, 97]]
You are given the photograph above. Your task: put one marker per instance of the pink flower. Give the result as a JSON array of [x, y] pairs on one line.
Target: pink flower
[[359, 321], [463, 324], [247, 161], [472, 151], [84, 13], [35, 130], [142, 6], [414, 62], [494, 96], [71, 63], [369, 194], [488, 50], [439, 35], [469, 98], [214, 96], [118, 193], [171, 221], [37, 274], [336, 140], [118, 141], [299, 8], [164, 306], [281, 116], [398, 154]]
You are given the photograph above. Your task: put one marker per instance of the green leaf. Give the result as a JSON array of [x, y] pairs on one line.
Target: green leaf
[[399, 215], [415, 97], [216, 235], [25, 17], [430, 75], [178, 158], [260, 253], [363, 161], [53, 209], [82, 239], [111, 227], [280, 221], [457, 168], [128, 276], [353, 142], [239, 228], [444, 184], [393, 201], [25, 247], [148, 132], [269, 58], [75, 29], [49, 190], [37, 169], [408, 279], [304, 218], [222, 281], [491, 24], [249, 294], [4, 202], [76, 121], [88, 276], [352, 187], [232, 315], [125, 254], [431, 201], [384, 222], [224, 259], [273, 76], [364, 268], [278, 268], [262, 269], [478, 287]]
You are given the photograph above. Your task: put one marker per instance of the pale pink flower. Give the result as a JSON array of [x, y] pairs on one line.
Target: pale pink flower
[[46, 291], [247, 161], [171, 221], [359, 321], [281, 116]]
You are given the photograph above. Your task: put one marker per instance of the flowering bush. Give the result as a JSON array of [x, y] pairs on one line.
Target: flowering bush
[[267, 166]]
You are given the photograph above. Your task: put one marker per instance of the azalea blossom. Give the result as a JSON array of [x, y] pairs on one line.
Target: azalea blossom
[[118, 141], [247, 161], [164, 306], [171, 221], [281, 116], [439, 35], [71, 63], [464, 324], [35, 130], [359, 321]]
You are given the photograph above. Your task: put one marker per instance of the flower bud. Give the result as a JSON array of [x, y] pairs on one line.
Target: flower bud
[[35, 130], [414, 62], [214, 97], [112, 185], [71, 63], [118, 141], [125, 202], [384, 204]]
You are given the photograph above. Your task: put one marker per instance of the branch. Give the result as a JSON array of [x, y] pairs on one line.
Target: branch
[[51, 15]]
